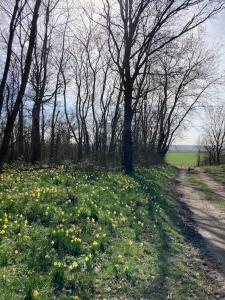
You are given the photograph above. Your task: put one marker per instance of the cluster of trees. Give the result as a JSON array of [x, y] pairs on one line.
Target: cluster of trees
[[213, 140], [110, 82]]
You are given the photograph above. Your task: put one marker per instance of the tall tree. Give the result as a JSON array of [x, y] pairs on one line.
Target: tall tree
[[17, 11], [139, 29], [12, 117]]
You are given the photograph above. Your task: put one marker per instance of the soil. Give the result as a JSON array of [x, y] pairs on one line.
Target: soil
[[215, 186], [204, 225]]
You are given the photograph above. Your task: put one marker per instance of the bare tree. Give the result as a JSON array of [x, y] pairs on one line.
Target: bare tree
[[214, 133], [12, 117], [139, 29], [100, 87], [185, 77], [15, 19]]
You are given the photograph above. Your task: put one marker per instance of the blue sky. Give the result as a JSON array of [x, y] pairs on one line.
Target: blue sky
[[215, 35]]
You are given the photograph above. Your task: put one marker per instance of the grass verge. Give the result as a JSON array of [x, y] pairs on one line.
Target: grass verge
[[99, 236], [217, 172], [203, 187]]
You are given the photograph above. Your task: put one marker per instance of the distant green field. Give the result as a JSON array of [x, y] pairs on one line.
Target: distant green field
[[182, 159]]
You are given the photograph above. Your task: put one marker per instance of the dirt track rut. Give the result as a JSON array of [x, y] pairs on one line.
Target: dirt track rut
[[209, 220]]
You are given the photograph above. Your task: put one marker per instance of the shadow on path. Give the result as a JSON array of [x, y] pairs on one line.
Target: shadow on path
[[204, 226], [180, 217]]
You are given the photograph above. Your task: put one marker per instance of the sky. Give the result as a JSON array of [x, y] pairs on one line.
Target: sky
[[215, 35]]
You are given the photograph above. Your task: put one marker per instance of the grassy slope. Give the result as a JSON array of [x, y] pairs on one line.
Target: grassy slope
[[72, 236], [182, 159]]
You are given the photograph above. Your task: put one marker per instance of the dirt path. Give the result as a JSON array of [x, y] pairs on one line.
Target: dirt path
[[209, 221], [216, 187]]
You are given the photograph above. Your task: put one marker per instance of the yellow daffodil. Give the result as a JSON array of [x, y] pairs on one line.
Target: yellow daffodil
[[76, 298], [73, 266], [35, 294]]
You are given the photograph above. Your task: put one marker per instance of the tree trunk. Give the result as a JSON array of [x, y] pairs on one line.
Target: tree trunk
[[35, 134], [20, 138], [80, 149], [218, 157], [127, 132], [114, 127], [9, 53], [11, 119], [57, 146], [53, 121], [42, 150], [112, 145], [12, 149], [52, 143]]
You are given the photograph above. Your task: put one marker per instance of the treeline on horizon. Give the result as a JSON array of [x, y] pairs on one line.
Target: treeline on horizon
[[111, 82]]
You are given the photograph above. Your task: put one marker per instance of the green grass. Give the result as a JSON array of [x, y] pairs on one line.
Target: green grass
[[217, 172], [100, 236], [182, 159], [203, 187]]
